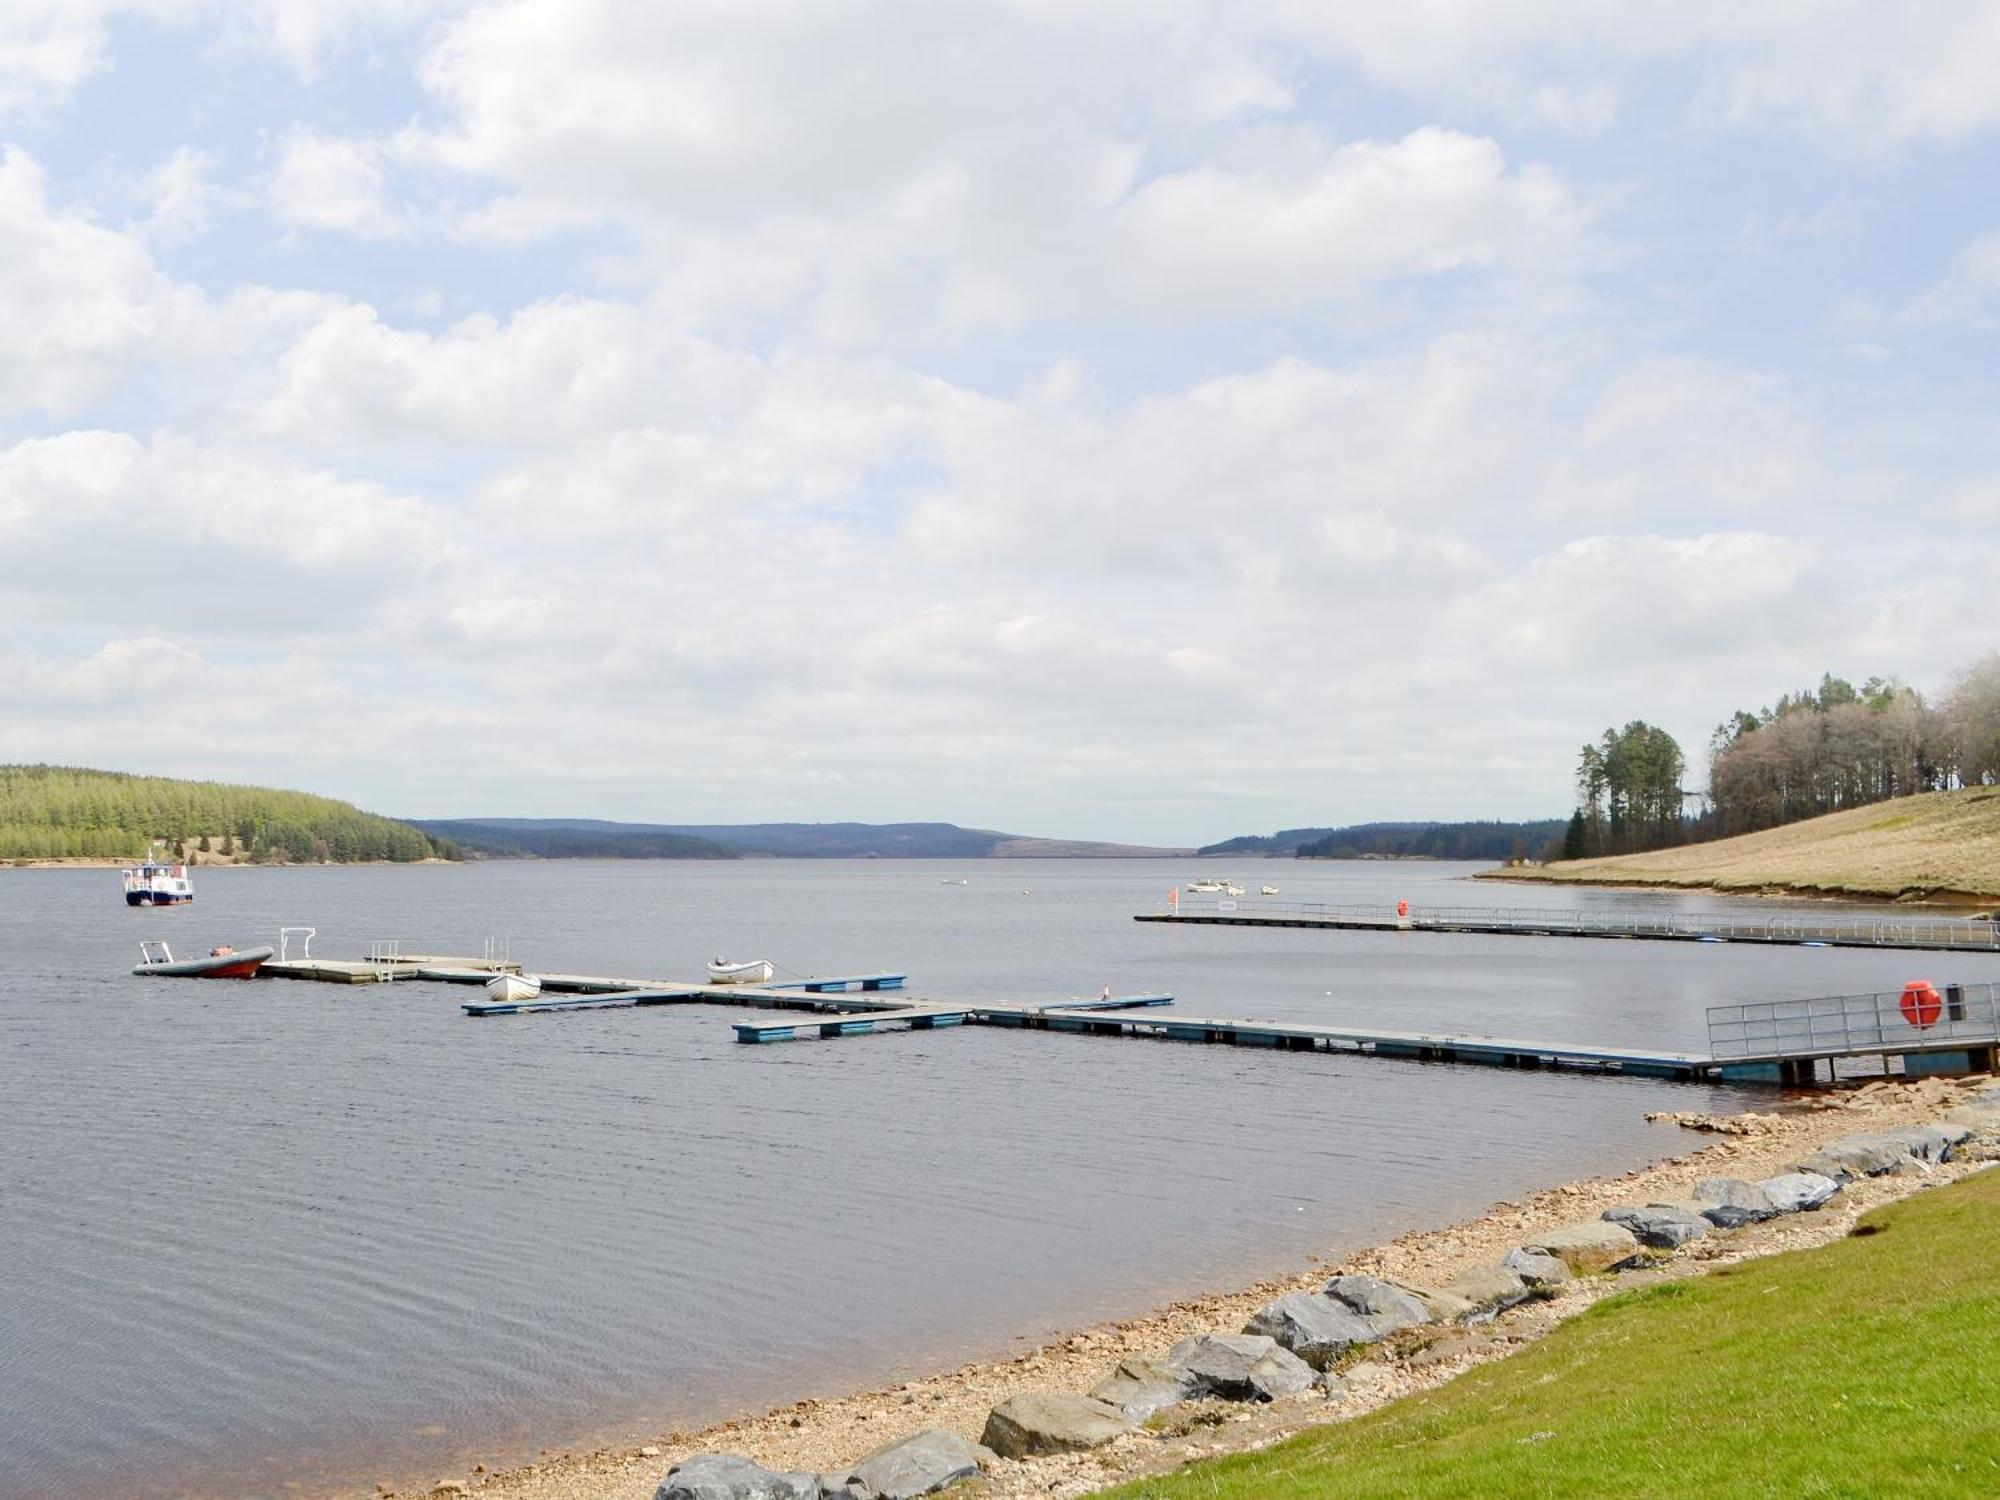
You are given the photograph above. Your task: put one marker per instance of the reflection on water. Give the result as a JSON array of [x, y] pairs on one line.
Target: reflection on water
[[257, 1231]]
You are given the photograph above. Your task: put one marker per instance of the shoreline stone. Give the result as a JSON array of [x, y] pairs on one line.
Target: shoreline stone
[[1592, 1245], [908, 1467], [1239, 1367], [730, 1476], [1042, 1422], [1659, 1226]]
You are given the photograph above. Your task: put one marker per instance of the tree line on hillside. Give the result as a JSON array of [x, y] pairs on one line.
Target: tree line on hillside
[[1419, 840], [57, 812], [1812, 752], [501, 841], [1484, 840]]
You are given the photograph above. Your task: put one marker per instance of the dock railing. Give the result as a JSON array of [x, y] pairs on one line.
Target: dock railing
[[1852, 1025], [1886, 929]]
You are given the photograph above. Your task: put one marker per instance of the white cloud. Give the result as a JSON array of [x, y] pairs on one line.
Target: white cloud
[[1850, 76], [1285, 236], [1689, 437], [78, 302], [333, 182], [1966, 291], [182, 199]]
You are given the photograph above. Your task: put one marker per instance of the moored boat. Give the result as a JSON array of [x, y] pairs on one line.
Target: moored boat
[[510, 989], [151, 884], [747, 971], [220, 963], [1269, 890]]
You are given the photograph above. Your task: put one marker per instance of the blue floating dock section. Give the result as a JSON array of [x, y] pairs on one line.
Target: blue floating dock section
[[562, 992], [839, 985], [1063, 1015]]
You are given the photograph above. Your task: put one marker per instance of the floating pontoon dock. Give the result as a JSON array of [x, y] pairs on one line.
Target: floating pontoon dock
[[1941, 934], [1784, 1041]]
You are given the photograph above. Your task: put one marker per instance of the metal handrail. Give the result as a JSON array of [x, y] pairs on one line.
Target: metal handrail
[[1843, 1025]]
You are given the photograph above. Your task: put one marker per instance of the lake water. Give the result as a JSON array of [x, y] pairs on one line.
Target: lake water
[[274, 1234]]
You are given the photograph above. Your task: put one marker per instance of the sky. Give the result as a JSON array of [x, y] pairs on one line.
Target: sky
[[1108, 420]]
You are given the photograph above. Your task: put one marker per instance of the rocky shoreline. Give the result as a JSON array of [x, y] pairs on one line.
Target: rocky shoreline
[[1183, 1383]]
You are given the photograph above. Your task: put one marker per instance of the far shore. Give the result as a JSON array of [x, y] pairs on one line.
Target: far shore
[[1774, 891], [824, 1434], [203, 862]]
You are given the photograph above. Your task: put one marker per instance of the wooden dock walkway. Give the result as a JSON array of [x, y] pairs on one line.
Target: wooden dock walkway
[[1927, 934]]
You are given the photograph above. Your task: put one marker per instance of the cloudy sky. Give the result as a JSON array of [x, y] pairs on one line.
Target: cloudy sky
[[1116, 420]]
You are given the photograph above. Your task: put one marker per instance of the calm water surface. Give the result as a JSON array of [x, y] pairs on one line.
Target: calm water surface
[[258, 1235]]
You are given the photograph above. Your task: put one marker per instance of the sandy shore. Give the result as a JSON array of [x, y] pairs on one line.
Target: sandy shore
[[823, 1435]]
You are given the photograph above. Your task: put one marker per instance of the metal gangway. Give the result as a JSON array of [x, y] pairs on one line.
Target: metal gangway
[[1918, 1020]]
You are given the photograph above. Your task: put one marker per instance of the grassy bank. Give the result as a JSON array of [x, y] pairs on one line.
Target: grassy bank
[[1869, 1367], [1941, 846]]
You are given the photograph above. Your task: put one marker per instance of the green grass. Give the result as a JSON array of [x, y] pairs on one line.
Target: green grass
[[1868, 1368]]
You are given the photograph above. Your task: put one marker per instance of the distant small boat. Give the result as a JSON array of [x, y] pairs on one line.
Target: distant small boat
[[1232, 890], [511, 989], [952, 882], [157, 960], [1206, 887], [151, 884], [1269, 890], [748, 971]]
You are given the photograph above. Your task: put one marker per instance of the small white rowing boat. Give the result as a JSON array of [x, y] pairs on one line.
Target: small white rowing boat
[[510, 989], [749, 971], [1269, 890]]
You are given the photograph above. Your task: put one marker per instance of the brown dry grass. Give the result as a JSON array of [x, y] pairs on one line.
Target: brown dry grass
[[1941, 846]]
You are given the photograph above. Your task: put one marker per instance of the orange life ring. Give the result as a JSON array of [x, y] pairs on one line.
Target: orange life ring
[[1402, 908], [1921, 1004]]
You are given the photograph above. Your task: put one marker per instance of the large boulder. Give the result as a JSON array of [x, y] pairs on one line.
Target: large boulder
[[1313, 1326], [1037, 1422], [1238, 1367], [1794, 1192], [1319, 1327], [1590, 1246], [1391, 1306], [1659, 1226], [1730, 1202], [1536, 1267], [1489, 1288], [1855, 1156], [912, 1466], [1877, 1151], [1140, 1386], [1441, 1306], [727, 1476]]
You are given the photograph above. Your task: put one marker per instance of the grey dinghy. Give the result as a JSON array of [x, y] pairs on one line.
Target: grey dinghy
[[221, 963]]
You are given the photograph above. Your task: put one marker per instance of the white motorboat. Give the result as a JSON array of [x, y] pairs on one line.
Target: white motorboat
[[511, 989], [1269, 890], [1206, 887], [155, 884], [1232, 889], [747, 971]]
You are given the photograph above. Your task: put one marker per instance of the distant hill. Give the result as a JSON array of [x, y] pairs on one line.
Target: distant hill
[[69, 812], [598, 838], [522, 838], [1933, 846], [1483, 840]]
